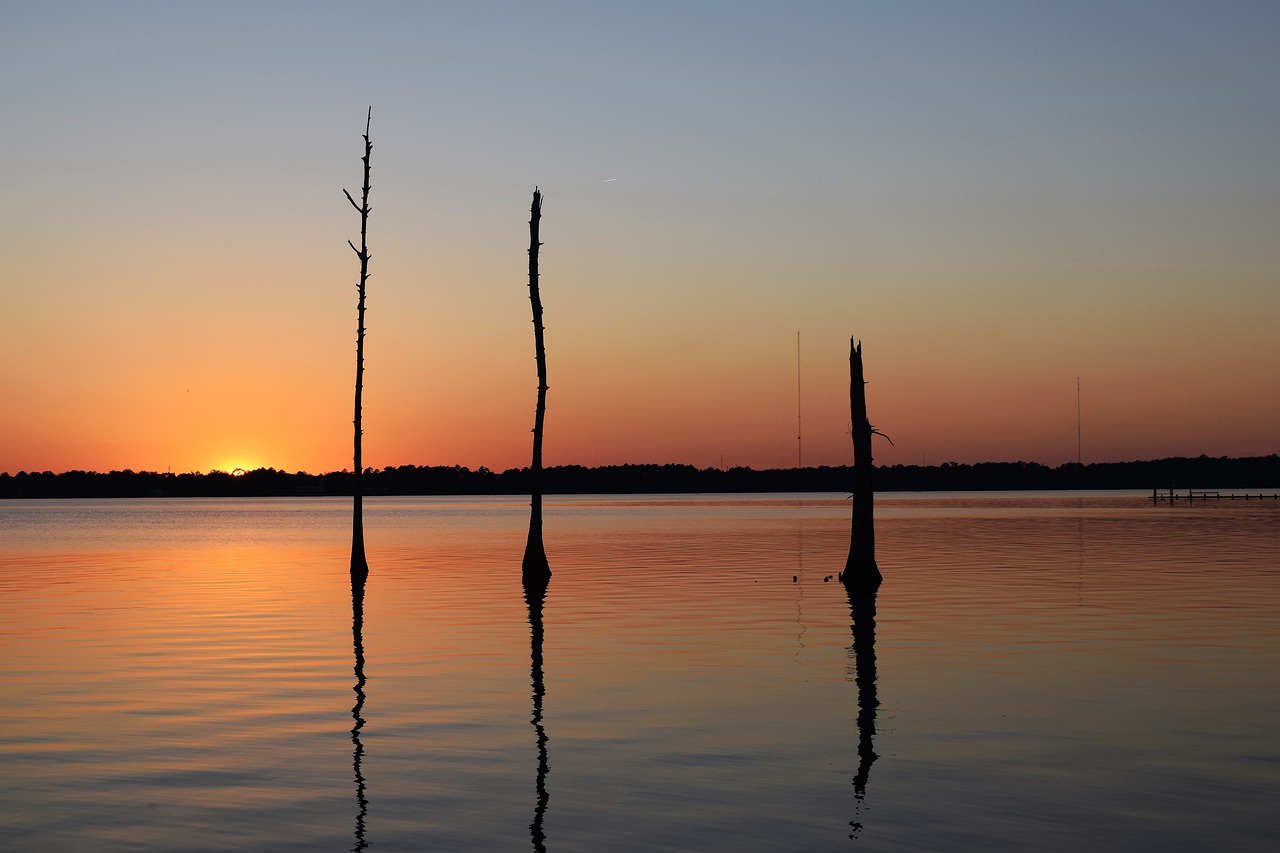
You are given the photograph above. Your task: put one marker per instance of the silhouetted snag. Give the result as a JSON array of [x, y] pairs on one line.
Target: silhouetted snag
[[358, 563], [536, 573], [535, 593], [860, 571], [535, 556]]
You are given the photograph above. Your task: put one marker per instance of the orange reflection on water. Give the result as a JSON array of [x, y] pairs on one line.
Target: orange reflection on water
[[1034, 658]]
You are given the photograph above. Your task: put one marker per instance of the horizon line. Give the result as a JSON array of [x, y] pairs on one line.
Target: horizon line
[[486, 469]]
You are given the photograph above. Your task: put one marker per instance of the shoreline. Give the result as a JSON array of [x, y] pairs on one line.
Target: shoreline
[[1178, 473]]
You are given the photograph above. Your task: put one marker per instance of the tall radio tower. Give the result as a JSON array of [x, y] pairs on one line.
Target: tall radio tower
[[799, 445], [1079, 455]]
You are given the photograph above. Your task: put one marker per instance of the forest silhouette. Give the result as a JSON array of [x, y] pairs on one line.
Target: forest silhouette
[[1203, 472]]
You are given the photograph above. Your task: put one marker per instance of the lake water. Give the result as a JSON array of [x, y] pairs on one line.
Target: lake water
[[1050, 671]]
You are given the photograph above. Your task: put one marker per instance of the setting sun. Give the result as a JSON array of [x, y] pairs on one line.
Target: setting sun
[[238, 466]]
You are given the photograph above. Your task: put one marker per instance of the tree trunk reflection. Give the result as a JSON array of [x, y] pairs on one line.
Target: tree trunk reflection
[[535, 593]]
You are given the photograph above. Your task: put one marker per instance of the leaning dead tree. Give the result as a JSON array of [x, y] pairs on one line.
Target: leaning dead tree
[[860, 571], [535, 556], [358, 563]]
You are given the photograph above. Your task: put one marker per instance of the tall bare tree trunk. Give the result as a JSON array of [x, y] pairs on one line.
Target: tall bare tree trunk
[[535, 555], [860, 571], [358, 563]]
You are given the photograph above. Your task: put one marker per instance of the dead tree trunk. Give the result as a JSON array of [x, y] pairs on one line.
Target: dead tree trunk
[[860, 571], [360, 566], [535, 555]]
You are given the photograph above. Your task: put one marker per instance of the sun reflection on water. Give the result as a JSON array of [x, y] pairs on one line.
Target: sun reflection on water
[[177, 670]]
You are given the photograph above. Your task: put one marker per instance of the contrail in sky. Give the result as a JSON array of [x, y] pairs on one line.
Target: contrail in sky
[[607, 180]]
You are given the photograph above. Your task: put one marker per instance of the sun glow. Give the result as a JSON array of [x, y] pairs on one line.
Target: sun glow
[[237, 466]]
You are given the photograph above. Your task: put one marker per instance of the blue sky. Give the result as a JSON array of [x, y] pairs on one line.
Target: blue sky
[[997, 197]]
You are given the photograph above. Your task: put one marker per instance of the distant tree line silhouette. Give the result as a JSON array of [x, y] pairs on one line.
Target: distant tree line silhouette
[[1203, 472]]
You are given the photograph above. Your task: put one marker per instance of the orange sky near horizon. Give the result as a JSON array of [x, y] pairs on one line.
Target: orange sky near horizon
[[993, 215]]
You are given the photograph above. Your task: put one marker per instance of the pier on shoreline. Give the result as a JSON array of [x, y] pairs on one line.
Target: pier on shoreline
[[1173, 496]]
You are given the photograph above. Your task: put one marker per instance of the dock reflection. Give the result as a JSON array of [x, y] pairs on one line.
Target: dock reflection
[[357, 753], [862, 612], [535, 593]]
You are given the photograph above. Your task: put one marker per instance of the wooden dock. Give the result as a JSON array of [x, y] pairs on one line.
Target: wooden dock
[[1172, 496]]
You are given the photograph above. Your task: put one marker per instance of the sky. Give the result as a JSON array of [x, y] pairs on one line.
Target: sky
[[1054, 227]]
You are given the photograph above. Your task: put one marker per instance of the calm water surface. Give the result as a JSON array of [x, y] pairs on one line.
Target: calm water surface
[[1047, 671]]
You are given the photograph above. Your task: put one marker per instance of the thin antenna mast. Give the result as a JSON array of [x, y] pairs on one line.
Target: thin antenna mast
[[799, 432], [1079, 455]]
